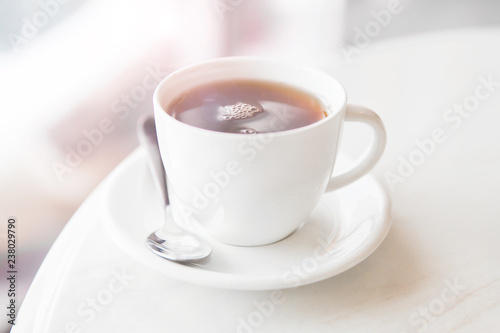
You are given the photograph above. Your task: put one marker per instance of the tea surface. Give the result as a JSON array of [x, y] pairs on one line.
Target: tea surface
[[246, 106]]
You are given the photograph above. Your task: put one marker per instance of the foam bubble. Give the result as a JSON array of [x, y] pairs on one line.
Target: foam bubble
[[247, 131], [239, 111]]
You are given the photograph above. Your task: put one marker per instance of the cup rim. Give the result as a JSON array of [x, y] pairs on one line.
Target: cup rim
[[331, 114]]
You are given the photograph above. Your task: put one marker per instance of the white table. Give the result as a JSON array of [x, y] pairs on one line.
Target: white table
[[438, 270]]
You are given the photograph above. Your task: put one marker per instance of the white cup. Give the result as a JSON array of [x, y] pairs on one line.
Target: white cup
[[255, 189]]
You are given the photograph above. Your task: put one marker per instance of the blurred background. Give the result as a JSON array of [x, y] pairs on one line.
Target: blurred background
[[76, 74]]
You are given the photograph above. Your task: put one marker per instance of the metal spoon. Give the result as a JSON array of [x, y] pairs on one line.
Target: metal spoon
[[170, 242]]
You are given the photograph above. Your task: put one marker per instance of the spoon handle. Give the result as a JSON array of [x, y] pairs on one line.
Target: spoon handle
[[146, 132]]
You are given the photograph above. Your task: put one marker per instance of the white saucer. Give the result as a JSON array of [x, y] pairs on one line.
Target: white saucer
[[345, 228]]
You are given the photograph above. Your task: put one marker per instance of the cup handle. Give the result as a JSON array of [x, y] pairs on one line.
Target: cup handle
[[361, 114]]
